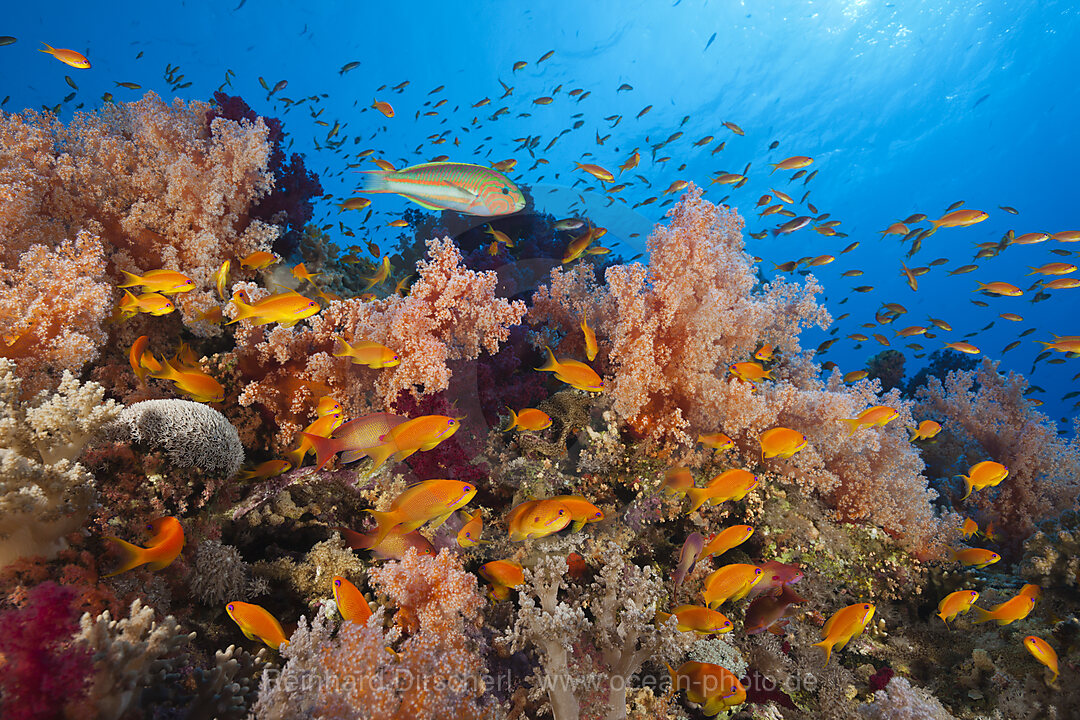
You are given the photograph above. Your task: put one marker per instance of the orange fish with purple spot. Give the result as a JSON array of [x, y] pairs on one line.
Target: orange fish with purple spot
[[846, 624], [350, 602], [160, 551], [257, 623]]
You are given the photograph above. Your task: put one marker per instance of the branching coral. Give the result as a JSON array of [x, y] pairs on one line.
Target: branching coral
[[988, 415], [44, 493], [1052, 553], [900, 701], [127, 653], [589, 658]]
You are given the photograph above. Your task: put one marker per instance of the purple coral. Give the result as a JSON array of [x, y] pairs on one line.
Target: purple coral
[[289, 203], [42, 670]]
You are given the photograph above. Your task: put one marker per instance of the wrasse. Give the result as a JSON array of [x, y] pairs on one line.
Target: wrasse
[[469, 189], [164, 547]]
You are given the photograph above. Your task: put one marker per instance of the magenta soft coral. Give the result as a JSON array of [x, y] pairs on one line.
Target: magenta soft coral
[[42, 672]]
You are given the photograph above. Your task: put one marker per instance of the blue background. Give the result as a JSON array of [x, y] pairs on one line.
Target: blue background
[[905, 106]]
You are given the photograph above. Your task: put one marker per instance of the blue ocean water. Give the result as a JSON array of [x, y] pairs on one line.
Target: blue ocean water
[[905, 106]]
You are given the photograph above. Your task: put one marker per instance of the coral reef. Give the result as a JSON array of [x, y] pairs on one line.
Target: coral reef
[[888, 368], [1052, 553]]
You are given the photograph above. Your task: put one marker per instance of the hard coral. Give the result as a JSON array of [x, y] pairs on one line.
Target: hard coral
[[44, 493], [191, 434]]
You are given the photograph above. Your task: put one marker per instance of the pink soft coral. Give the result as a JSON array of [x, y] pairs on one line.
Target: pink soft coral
[[42, 673]]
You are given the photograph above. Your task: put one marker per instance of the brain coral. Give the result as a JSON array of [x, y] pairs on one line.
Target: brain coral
[[190, 433]]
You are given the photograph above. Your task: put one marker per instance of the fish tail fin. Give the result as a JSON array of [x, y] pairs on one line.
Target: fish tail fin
[[243, 310], [133, 556], [914, 434], [325, 448], [48, 48], [969, 487], [552, 364], [130, 279], [697, 496], [387, 521], [934, 225], [982, 615], [513, 420], [381, 453], [853, 425], [375, 181], [296, 457], [341, 348], [827, 646]]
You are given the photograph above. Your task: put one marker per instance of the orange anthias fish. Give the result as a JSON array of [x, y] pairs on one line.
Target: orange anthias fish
[[324, 426], [927, 429], [794, 162], [537, 519], [166, 282], [581, 510], [139, 355], [268, 469], [504, 575], [350, 601], [1042, 652], [574, 373], [366, 352], [300, 272], [726, 539], [956, 603], [221, 279], [528, 419], [381, 274], [150, 303], [1013, 609], [392, 547], [698, 619], [68, 57], [765, 354], [969, 528], [781, 442], [193, 382], [843, 626], [384, 107], [596, 171], [677, 481], [999, 288], [259, 260], [1032, 591], [732, 484], [750, 372], [958, 218], [355, 439], [256, 623], [964, 347], [714, 687], [877, 416], [731, 582], [287, 308], [591, 348], [717, 441], [983, 475], [974, 557], [163, 548], [469, 534], [420, 433], [427, 501]]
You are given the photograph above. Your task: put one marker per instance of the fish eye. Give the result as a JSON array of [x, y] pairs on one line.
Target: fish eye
[[506, 191], [337, 583], [311, 303], [231, 608], [866, 607], [598, 514], [468, 488], [757, 571]]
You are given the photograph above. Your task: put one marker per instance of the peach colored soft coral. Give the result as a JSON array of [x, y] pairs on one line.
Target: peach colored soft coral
[[52, 306], [450, 314], [159, 185], [667, 334]]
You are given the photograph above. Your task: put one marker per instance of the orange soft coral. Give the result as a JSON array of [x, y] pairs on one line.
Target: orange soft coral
[[52, 306]]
